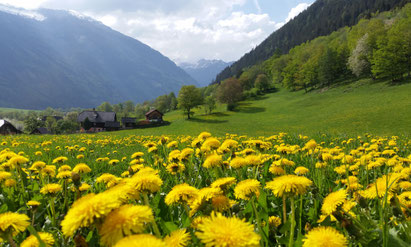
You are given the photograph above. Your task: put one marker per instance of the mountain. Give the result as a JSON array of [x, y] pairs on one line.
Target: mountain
[[204, 71], [321, 18], [62, 59]]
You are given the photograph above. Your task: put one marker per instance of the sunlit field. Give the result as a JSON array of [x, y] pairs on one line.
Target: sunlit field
[[129, 190]]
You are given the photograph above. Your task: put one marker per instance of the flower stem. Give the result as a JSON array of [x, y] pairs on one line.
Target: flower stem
[[291, 242], [284, 209], [154, 224], [10, 239], [259, 221]]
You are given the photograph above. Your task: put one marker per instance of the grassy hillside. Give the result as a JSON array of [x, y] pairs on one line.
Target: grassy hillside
[[358, 108]]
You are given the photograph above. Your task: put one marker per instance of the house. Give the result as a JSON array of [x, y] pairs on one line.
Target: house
[[40, 131], [154, 116], [6, 128], [98, 121], [129, 122]]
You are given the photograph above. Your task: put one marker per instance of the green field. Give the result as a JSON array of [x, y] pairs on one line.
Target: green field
[[357, 108]]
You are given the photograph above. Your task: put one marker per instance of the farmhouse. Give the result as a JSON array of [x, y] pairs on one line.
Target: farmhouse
[[96, 121], [154, 116], [6, 128], [129, 122]]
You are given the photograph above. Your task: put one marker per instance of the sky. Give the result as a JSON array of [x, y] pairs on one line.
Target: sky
[[186, 30]]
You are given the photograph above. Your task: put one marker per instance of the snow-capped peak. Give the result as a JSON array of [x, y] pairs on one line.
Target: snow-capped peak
[[22, 12]]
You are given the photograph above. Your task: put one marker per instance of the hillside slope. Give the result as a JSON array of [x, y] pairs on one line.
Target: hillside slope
[[321, 18], [355, 109], [60, 59]]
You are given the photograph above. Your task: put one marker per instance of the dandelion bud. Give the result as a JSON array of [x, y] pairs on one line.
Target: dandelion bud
[[76, 179]]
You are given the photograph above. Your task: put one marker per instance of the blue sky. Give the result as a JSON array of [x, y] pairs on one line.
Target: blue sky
[[186, 30]]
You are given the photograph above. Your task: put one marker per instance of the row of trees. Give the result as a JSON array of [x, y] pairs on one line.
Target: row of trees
[[378, 48]]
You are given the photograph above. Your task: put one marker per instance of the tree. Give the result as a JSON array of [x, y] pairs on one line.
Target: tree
[[87, 124], [230, 92], [209, 104], [262, 83], [128, 107], [105, 106], [189, 97], [358, 61], [32, 122]]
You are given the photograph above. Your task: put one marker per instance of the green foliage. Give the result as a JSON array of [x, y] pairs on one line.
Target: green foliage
[[189, 97], [262, 83], [105, 106], [209, 104], [87, 124], [32, 122], [230, 92]]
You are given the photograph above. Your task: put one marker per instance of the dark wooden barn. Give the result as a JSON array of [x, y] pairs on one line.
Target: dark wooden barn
[[98, 121], [40, 131], [6, 128], [129, 122], [154, 116]]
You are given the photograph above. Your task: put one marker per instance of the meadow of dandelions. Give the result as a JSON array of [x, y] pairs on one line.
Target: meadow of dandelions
[[280, 190]]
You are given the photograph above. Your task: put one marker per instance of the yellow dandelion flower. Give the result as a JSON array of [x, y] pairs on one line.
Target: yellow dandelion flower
[[32, 241], [4, 175], [405, 199], [247, 188], [186, 153], [254, 160], [204, 135], [221, 231], [105, 178], [147, 181], [301, 170], [213, 160], [81, 168], [321, 165], [38, 153], [181, 193], [274, 221], [60, 159], [378, 189], [49, 171], [310, 145], [238, 162], [84, 187], [51, 189], [172, 144], [276, 170], [13, 222], [175, 168], [80, 156], [85, 210], [324, 236], [405, 185], [332, 201], [33, 203], [196, 221], [64, 168], [174, 156], [210, 144], [178, 238], [10, 182], [289, 184], [38, 165], [113, 162], [124, 221], [220, 203], [141, 240], [223, 183], [204, 196], [137, 155], [64, 175]]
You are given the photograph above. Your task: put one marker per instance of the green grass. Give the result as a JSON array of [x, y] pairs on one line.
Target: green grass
[[358, 108], [3, 109]]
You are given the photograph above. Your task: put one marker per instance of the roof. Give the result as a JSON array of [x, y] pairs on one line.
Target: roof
[[128, 119], [42, 130], [97, 116], [2, 122], [154, 110]]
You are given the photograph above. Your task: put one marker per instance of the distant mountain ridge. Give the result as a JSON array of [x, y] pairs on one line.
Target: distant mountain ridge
[[62, 59], [321, 18], [204, 71]]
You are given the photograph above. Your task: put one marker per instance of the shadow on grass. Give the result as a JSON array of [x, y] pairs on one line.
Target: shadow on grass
[[211, 121], [246, 108]]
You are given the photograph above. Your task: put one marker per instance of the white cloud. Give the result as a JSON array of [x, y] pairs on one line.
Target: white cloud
[[27, 4], [297, 10]]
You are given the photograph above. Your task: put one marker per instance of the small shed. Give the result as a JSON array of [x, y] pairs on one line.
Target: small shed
[[99, 121], [154, 116], [6, 128], [129, 122], [40, 131]]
